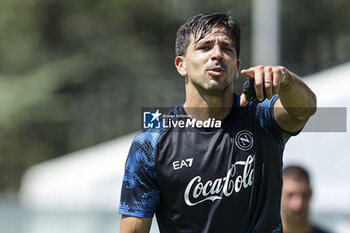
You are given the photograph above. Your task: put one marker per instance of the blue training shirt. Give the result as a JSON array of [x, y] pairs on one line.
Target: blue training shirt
[[218, 180]]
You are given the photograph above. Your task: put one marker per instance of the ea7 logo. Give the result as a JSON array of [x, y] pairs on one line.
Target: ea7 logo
[[183, 163]]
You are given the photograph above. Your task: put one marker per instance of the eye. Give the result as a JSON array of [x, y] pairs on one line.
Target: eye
[[229, 49], [204, 47]]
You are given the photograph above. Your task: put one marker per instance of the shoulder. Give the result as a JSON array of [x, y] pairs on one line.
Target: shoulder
[[148, 137], [147, 140], [264, 113], [144, 145]]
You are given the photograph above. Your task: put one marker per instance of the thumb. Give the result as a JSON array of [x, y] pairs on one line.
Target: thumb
[[243, 100]]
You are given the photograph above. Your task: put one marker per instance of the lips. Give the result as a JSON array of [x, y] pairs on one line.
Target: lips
[[216, 71]]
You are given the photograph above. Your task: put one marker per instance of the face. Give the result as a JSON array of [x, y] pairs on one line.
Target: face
[[211, 63], [295, 202]]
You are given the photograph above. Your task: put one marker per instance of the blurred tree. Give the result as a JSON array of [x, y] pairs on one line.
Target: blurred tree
[[74, 74], [316, 34]]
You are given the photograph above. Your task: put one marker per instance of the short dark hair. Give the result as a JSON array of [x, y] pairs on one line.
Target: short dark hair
[[204, 23], [296, 172]]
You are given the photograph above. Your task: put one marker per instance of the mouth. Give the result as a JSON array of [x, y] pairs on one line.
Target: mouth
[[216, 71]]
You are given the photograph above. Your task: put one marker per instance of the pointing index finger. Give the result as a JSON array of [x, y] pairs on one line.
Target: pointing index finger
[[249, 74]]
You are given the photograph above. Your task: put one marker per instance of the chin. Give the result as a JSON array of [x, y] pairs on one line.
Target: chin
[[217, 90], [212, 87], [298, 217], [218, 86]]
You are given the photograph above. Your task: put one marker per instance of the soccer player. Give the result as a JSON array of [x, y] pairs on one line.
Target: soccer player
[[296, 196], [223, 179]]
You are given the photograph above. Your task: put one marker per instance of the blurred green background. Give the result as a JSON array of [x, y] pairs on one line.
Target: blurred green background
[[76, 73]]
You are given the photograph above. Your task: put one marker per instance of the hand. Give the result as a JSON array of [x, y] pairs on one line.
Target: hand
[[267, 78]]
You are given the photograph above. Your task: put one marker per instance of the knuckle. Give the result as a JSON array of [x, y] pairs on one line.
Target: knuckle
[[261, 67], [268, 69], [258, 83], [276, 71]]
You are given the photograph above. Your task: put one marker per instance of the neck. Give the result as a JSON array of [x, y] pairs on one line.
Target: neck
[[202, 106], [305, 227]]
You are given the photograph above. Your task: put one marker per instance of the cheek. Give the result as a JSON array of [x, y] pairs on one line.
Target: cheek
[[286, 199], [233, 66], [283, 202], [196, 66], [199, 58]]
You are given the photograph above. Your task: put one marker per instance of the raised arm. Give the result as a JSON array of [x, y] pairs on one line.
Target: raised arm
[[296, 101], [135, 225]]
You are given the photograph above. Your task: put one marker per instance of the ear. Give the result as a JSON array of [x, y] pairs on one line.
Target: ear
[[238, 66], [181, 66]]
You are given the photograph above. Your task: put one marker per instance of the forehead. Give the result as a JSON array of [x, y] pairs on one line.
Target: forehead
[[216, 32], [295, 185]]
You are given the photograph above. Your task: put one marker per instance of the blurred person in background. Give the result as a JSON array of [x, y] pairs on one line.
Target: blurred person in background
[[296, 196], [222, 179]]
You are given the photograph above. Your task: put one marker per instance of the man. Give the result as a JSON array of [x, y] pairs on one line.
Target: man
[[225, 179], [296, 196]]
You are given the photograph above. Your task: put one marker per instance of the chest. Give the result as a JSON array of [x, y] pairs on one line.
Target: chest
[[207, 165]]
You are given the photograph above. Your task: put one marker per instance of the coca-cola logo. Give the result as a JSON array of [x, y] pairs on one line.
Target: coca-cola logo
[[197, 191]]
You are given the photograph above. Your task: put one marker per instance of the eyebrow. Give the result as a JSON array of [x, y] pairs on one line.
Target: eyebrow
[[207, 41]]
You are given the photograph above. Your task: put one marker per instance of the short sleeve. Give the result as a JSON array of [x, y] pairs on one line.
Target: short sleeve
[[264, 112], [140, 192]]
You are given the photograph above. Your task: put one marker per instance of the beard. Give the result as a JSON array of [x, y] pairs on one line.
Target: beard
[[209, 85], [299, 219]]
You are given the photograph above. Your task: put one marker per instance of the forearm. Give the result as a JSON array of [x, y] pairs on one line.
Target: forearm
[[296, 102]]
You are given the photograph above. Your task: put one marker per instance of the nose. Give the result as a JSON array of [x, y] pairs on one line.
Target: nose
[[297, 203], [217, 53]]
